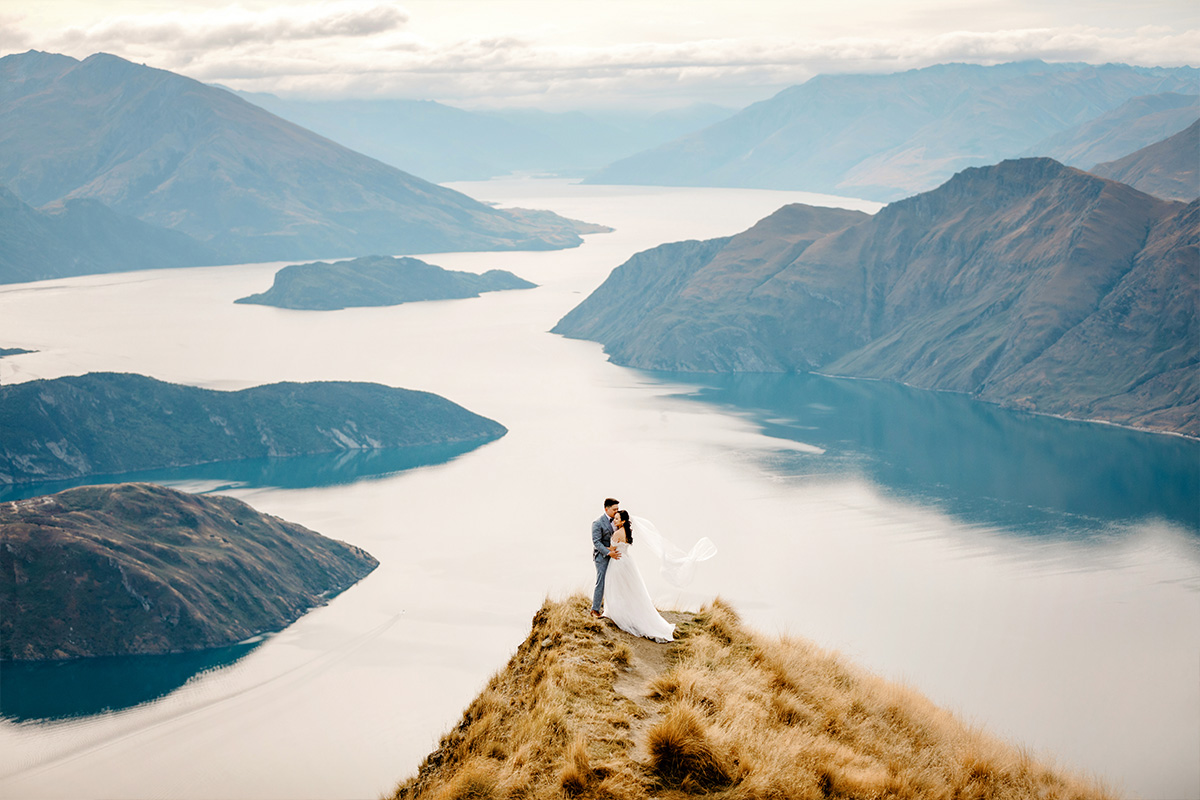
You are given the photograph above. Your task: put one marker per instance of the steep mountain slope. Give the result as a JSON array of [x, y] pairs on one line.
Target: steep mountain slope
[[137, 568], [1134, 124], [80, 237], [887, 136], [1027, 283], [104, 423], [1170, 168], [197, 159]]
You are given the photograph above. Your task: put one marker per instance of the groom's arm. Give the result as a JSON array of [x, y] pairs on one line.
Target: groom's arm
[[597, 541], [597, 544]]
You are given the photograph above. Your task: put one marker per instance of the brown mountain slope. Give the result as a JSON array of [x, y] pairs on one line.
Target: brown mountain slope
[[1169, 169], [585, 710], [179, 154], [1026, 283], [137, 568]]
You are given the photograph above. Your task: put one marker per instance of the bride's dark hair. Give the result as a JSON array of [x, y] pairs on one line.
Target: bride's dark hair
[[624, 515]]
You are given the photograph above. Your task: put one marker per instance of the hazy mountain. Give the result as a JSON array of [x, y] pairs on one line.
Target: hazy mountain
[[109, 423], [197, 159], [376, 281], [79, 237], [888, 136], [133, 569], [1170, 168], [1027, 283], [1130, 126], [443, 143]]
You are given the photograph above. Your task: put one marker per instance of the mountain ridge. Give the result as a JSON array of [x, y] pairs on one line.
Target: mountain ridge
[[887, 136], [173, 152], [1028, 284], [1166, 169]]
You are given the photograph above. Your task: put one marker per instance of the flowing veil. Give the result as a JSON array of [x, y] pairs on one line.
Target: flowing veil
[[677, 567]]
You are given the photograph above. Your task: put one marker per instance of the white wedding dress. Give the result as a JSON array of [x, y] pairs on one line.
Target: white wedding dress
[[626, 599]]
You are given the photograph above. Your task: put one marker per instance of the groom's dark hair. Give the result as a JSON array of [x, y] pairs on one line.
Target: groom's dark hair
[[608, 501]]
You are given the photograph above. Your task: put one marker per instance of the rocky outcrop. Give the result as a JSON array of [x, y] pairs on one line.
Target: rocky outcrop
[[1028, 284], [134, 569], [110, 423]]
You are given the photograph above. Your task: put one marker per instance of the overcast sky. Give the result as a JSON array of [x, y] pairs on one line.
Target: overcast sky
[[564, 54]]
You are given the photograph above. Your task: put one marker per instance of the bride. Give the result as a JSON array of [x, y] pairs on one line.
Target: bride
[[626, 600]]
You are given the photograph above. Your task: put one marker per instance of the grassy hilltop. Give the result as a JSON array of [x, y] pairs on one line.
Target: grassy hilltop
[[585, 710]]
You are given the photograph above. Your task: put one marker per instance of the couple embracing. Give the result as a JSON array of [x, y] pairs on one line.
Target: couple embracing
[[619, 584]]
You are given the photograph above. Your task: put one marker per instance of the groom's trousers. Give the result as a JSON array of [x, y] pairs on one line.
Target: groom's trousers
[[601, 571]]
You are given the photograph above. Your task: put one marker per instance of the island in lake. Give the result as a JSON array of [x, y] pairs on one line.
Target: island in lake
[[135, 569], [110, 423], [376, 281]]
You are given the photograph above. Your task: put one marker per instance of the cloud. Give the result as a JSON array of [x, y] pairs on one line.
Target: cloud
[[234, 26], [498, 71], [371, 48]]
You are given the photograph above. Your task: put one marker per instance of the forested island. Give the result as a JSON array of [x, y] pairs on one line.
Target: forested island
[[134, 569]]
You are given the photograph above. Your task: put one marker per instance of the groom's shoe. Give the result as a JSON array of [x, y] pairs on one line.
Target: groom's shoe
[[596, 614]]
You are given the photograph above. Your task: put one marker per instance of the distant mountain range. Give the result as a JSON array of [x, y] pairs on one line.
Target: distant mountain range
[[885, 137], [134, 569], [442, 143], [376, 281], [177, 154], [109, 423], [1170, 168], [1029, 284], [1130, 126]]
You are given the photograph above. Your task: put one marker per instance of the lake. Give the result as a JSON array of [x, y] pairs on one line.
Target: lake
[[1039, 577]]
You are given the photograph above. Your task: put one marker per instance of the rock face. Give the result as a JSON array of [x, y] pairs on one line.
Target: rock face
[[376, 281], [1170, 168], [885, 137], [82, 237], [138, 569], [1028, 284], [109, 423], [178, 154]]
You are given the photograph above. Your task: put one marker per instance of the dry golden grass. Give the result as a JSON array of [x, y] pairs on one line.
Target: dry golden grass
[[585, 711]]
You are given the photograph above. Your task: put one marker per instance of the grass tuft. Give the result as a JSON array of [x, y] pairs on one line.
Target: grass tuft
[[682, 754]]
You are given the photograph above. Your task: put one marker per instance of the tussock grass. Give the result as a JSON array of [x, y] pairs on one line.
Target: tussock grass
[[581, 711]]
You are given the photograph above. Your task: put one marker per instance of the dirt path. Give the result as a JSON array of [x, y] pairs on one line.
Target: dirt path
[[647, 661]]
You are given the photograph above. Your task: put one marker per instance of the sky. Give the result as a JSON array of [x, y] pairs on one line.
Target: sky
[[577, 54]]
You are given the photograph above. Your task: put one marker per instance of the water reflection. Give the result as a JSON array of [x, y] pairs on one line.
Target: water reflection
[[1028, 473], [48, 690], [295, 472]]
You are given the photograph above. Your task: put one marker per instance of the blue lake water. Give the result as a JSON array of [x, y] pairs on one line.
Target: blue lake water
[[1032, 475], [1040, 578]]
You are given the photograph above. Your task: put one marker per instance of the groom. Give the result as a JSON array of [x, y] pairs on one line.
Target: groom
[[602, 551]]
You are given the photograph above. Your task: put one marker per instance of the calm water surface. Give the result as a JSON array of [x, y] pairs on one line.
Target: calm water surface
[[1039, 577]]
